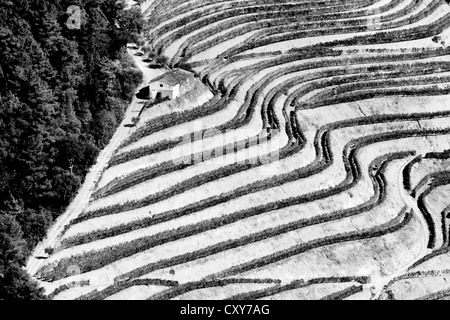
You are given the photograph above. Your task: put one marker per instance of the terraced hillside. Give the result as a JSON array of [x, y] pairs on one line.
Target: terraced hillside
[[318, 168]]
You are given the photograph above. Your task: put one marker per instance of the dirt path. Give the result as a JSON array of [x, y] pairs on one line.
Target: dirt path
[[84, 194]]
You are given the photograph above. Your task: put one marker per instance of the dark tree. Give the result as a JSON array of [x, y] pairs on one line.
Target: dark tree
[[63, 92]]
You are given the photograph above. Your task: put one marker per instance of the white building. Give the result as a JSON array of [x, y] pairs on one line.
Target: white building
[[171, 84]]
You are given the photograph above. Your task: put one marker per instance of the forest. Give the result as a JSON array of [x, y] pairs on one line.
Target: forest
[[64, 88]]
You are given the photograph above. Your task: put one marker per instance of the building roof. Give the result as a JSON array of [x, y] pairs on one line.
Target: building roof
[[174, 77]]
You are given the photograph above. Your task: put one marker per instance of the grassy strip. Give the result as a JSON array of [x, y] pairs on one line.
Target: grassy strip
[[198, 285], [218, 5], [386, 76], [393, 226], [143, 175], [436, 296], [385, 92], [167, 121], [407, 173], [68, 286], [330, 94], [176, 292], [259, 294], [322, 161], [161, 170], [121, 286], [124, 182], [325, 14], [341, 295], [95, 260], [254, 23], [415, 33], [377, 180], [237, 16], [396, 224]]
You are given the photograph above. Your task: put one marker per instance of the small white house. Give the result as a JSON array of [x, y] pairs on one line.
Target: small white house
[[171, 84]]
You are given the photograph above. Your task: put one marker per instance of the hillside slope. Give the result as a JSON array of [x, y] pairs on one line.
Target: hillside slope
[[316, 171]]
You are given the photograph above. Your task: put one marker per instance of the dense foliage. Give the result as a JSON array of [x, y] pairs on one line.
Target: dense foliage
[[63, 92]]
